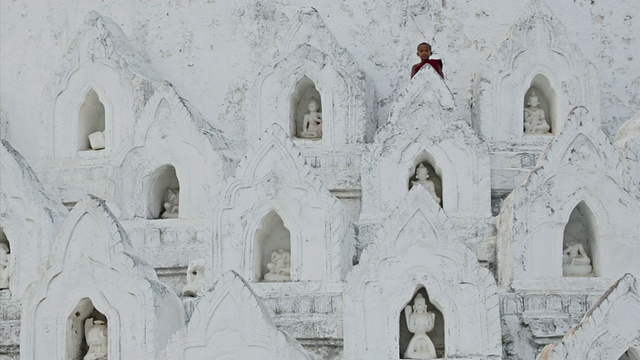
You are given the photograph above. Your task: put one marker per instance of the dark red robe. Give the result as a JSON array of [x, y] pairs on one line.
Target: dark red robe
[[435, 63]]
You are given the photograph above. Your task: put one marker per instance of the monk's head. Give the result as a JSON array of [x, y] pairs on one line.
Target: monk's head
[[424, 51]]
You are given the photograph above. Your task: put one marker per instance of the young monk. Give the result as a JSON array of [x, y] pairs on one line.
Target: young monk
[[424, 52]]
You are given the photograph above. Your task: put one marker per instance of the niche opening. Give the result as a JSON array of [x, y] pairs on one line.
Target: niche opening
[[164, 194], [5, 261], [272, 250], [630, 354], [428, 328], [87, 332], [580, 244], [91, 123], [539, 104], [306, 110], [425, 173]]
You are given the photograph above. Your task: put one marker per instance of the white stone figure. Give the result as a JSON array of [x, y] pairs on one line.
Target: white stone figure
[[171, 204], [195, 278], [96, 334], [575, 261], [279, 267], [312, 124], [96, 140], [422, 174], [535, 121], [420, 322], [4, 266]]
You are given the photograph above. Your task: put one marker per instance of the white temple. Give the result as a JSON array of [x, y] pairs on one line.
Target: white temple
[[263, 180]]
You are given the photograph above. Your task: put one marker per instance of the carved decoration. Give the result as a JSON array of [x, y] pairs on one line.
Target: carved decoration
[[537, 44], [102, 59], [230, 322], [580, 165], [424, 125], [608, 330], [93, 258], [170, 132], [628, 144], [29, 215], [416, 246], [274, 177], [311, 50]]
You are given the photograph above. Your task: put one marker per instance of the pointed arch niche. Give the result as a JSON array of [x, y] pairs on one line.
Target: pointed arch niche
[[437, 335], [81, 319], [91, 123], [272, 235], [434, 172], [304, 92], [541, 88], [5, 261], [580, 235], [164, 194]]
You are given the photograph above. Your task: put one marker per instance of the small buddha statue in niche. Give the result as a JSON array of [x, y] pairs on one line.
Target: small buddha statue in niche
[[195, 278], [420, 322], [279, 266], [422, 176], [96, 335], [575, 261], [4, 266], [535, 121], [312, 124], [171, 204], [96, 140]]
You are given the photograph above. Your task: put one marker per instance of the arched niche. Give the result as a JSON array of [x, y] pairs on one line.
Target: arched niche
[[541, 88], [580, 240], [272, 235], [5, 261], [82, 320], [304, 92], [631, 354], [436, 335], [164, 194], [91, 119], [426, 160]]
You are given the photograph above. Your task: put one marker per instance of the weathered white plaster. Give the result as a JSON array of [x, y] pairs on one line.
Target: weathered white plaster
[[273, 177], [310, 51], [579, 166], [230, 322], [93, 259], [417, 246], [537, 45], [608, 330], [29, 218], [627, 142]]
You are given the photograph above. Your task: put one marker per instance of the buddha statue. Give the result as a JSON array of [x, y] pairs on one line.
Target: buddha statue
[[195, 278], [4, 266], [312, 124], [422, 176], [420, 322], [575, 261], [535, 121], [171, 204], [279, 266], [96, 334]]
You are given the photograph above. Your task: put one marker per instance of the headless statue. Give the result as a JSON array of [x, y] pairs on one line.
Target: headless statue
[[420, 322], [4, 266], [172, 204], [312, 124], [422, 176], [575, 261], [279, 267], [195, 278], [96, 334], [535, 121]]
